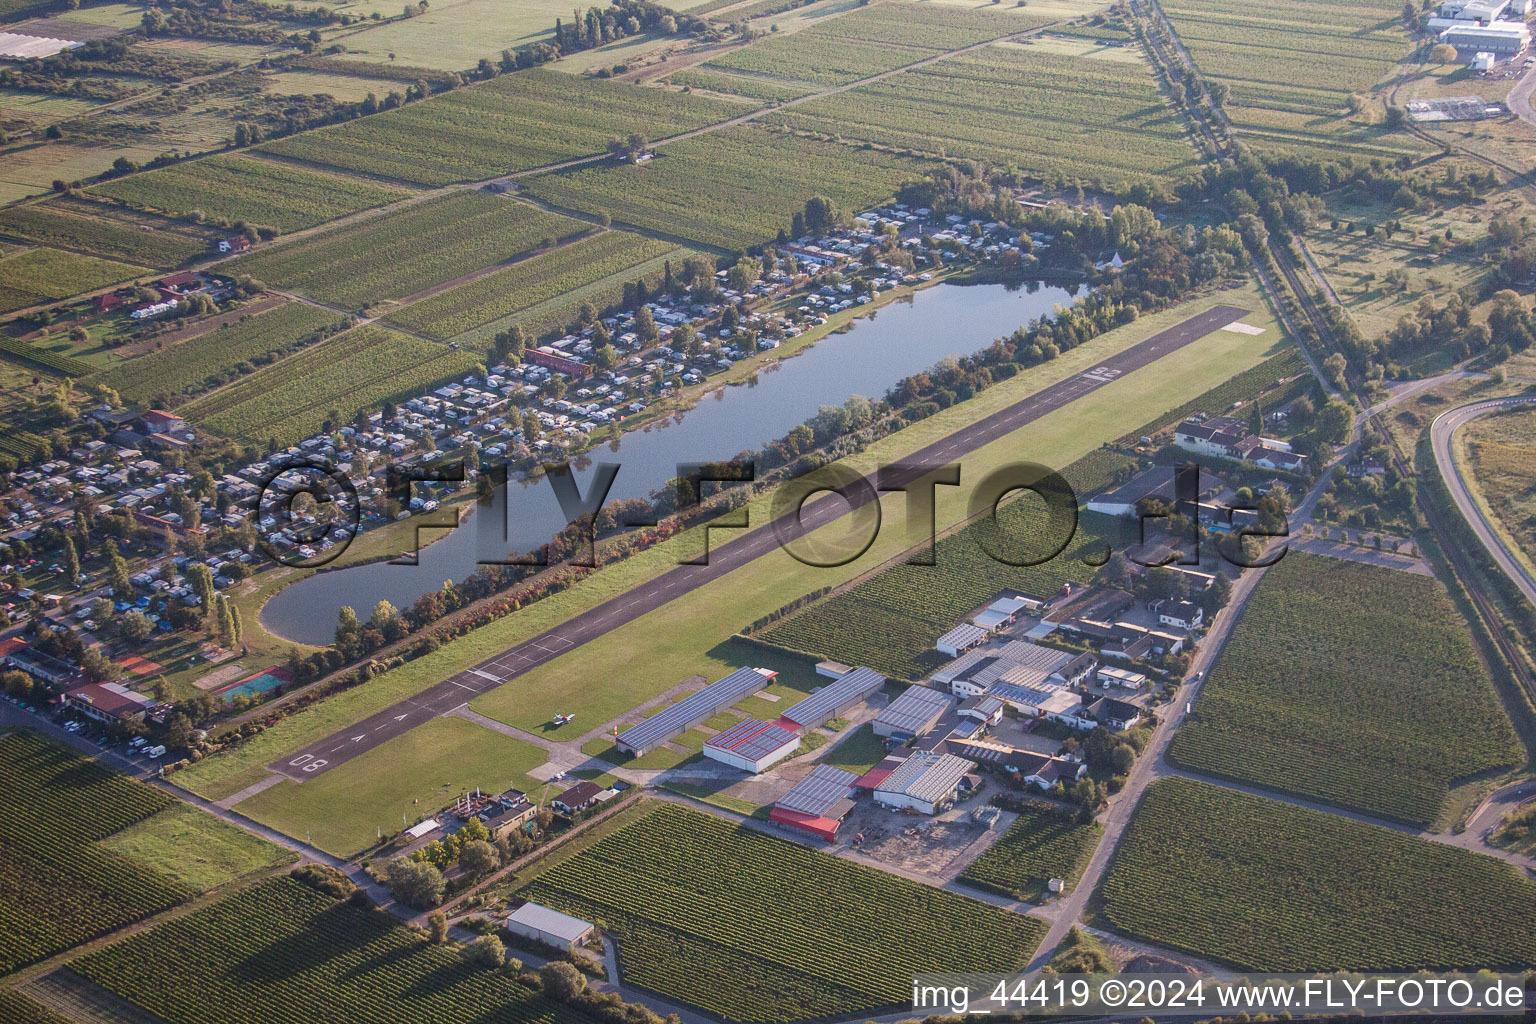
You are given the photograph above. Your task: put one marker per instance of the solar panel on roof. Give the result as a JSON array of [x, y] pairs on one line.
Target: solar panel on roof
[[819, 791], [914, 708], [827, 701], [691, 710]]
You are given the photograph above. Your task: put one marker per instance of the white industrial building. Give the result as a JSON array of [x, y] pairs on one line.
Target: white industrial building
[[1484, 11], [1503, 39], [751, 745], [552, 928], [916, 711], [924, 782]]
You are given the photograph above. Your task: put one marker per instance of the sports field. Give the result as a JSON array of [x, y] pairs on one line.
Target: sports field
[[1353, 685], [1268, 886]]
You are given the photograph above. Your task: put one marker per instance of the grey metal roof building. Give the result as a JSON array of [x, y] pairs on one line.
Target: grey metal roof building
[[925, 781], [820, 792], [913, 712], [689, 712], [831, 701]]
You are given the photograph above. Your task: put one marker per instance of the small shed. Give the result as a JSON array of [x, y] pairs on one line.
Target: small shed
[[540, 923]]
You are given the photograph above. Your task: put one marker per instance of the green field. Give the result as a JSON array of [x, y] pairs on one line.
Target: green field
[[731, 188], [1500, 452], [196, 849], [343, 810], [860, 751], [1042, 844], [870, 40], [735, 922], [745, 85], [16, 1008], [401, 253], [1273, 887], [1353, 685], [513, 123], [285, 953], [1293, 68], [502, 294], [1018, 106], [37, 276], [347, 374], [37, 222], [58, 886], [214, 358], [36, 358], [241, 188]]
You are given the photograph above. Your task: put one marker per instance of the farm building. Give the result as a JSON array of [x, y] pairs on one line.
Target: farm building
[[552, 928], [926, 782], [751, 745], [960, 639], [689, 712], [1002, 612], [831, 701], [879, 773], [912, 714], [1115, 714], [974, 671], [1501, 38], [984, 709], [1150, 484], [818, 803], [108, 702], [1039, 698]]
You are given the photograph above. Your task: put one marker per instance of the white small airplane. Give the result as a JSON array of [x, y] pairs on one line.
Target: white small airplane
[[562, 719]]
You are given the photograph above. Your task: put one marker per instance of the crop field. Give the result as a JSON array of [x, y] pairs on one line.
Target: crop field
[[34, 358], [401, 253], [1274, 887], [354, 371], [870, 40], [211, 359], [735, 922], [513, 123], [1501, 453], [747, 86], [285, 953], [114, 239], [890, 620], [236, 188], [16, 1008], [43, 275], [1042, 844], [1352, 685], [57, 887], [524, 284], [732, 188], [1292, 69], [1015, 105]]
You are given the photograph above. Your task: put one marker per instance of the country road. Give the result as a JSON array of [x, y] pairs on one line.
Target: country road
[[1442, 437]]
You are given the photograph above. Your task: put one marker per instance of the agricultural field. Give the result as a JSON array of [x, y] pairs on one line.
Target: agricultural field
[[1016, 105], [344, 87], [502, 294], [214, 358], [327, 383], [513, 123], [1500, 451], [58, 886], [55, 224], [730, 189], [745, 86], [36, 358], [889, 621], [242, 188], [870, 40], [285, 953], [1269, 886], [1352, 685], [16, 1008], [400, 253], [734, 921], [42, 275], [1293, 69], [194, 848], [1043, 843]]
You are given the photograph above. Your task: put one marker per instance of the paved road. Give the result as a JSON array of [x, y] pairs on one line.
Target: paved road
[[1519, 98], [1442, 437], [459, 689]]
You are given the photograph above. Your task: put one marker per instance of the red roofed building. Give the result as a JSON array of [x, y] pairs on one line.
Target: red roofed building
[[108, 702], [559, 362], [180, 280], [878, 774], [752, 745], [818, 803], [107, 302], [158, 421]]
